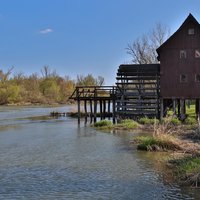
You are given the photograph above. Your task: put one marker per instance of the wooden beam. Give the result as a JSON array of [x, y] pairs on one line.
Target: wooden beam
[[79, 111]]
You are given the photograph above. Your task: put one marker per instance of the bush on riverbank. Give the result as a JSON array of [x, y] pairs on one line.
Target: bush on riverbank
[[103, 123], [158, 143], [126, 124], [188, 169], [148, 121]]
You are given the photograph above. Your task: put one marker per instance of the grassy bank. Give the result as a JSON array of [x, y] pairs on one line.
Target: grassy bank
[[169, 135], [187, 169]]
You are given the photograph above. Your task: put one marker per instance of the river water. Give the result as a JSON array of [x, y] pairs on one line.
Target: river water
[[42, 158]]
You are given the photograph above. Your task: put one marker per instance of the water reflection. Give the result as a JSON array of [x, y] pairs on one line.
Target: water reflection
[[56, 159]]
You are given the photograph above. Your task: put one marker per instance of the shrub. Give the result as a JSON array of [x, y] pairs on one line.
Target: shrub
[[158, 143], [148, 121], [190, 121], [128, 124], [188, 169], [175, 121], [103, 123]]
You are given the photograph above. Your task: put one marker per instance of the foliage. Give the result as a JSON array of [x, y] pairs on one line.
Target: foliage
[[156, 143], [148, 121], [45, 89], [190, 121], [127, 124], [103, 123], [175, 121], [89, 80], [188, 169]]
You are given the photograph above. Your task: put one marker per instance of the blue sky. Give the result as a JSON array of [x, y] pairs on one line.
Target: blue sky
[[81, 36]]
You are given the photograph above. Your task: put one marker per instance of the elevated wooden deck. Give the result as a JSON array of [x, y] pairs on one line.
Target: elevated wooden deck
[[136, 94], [98, 99]]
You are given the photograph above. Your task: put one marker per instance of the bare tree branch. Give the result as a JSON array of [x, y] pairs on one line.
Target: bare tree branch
[[143, 49]]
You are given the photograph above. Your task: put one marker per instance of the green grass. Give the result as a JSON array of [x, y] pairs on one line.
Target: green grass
[[148, 121], [190, 121], [158, 143], [175, 121], [188, 169], [103, 123], [191, 111], [126, 124]]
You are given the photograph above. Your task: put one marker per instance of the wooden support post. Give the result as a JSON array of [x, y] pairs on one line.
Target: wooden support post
[[182, 104], [184, 107], [179, 108], [161, 109], [91, 112], [104, 109], [113, 106], [85, 107], [79, 111], [197, 108], [174, 107], [100, 104], [108, 109], [95, 105], [95, 110]]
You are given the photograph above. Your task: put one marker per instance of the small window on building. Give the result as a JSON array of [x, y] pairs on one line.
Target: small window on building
[[197, 78], [183, 54], [197, 53], [183, 78], [191, 31]]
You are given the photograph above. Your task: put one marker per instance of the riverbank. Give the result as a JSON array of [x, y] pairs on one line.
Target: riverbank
[[181, 140]]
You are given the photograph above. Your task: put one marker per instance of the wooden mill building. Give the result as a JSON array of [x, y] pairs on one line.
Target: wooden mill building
[[149, 89], [179, 60]]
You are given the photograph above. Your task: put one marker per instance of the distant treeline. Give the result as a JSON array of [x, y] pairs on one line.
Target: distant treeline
[[47, 88]]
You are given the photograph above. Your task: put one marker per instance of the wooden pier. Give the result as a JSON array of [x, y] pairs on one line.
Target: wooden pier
[[95, 99], [135, 95]]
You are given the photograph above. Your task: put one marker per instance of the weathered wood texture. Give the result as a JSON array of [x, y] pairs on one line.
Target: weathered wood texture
[[138, 89], [99, 99], [173, 65]]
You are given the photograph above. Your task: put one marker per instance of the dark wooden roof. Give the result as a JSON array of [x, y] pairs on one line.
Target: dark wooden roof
[[189, 19], [136, 69]]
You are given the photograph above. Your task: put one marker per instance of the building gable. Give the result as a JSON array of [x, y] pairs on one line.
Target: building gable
[[189, 27]]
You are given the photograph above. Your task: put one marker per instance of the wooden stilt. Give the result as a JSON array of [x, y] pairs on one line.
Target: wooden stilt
[[198, 117], [100, 105], [182, 104], [197, 108], [79, 111], [104, 109], [174, 107], [91, 111], [109, 109], [113, 106], [95, 111], [179, 108], [184, 107], [161, 109], [85, 108]]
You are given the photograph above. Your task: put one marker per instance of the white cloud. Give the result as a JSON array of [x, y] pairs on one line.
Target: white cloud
[[46, 31]]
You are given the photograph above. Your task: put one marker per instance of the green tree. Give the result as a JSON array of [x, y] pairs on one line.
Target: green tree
[[89, 80], [50, 89]]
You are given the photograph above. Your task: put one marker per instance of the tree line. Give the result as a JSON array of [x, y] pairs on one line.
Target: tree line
[[46, 88], [49, 87]]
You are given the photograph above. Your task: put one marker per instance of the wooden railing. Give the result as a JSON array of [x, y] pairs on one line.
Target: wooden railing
[[93, 93]]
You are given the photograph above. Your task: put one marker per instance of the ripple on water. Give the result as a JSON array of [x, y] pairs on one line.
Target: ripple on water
[[56, 159]]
